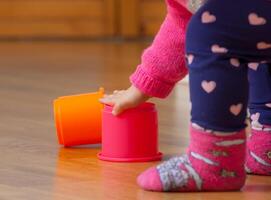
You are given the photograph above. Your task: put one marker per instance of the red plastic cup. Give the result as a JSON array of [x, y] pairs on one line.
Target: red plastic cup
[[130, 137], [78, 119]]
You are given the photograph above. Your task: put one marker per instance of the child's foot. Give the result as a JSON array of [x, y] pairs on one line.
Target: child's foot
[[259, 152], [212, 163]]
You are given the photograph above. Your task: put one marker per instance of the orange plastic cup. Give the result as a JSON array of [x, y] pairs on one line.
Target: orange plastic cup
[[78, 119]]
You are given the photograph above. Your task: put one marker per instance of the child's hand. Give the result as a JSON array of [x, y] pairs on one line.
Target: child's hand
[[124, 99]]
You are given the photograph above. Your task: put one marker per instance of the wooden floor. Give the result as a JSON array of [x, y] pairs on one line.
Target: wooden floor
[[34, 166]]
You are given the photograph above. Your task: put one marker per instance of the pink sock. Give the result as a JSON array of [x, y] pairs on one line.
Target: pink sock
[[259, 152], [212, 163]]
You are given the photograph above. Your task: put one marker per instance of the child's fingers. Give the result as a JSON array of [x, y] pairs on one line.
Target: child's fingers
[[121, 91], [108, 95], [118, 92], [107, 100], [117, 109], [120, 107]]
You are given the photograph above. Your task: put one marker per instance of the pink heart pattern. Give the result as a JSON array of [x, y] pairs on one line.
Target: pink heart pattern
[[208, 86], [217, 49], [263, 45], [253, 66], [235, 62], [190, 59], [236, 109], [256, 20], [207, 17], [255, 117]]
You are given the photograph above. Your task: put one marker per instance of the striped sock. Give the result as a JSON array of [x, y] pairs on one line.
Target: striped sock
[[212, 163], [259, 152]]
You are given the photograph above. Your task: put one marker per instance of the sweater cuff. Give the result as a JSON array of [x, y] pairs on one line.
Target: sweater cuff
[[150, 85]]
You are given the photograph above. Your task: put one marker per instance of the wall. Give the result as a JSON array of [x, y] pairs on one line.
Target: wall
[[80, 18]]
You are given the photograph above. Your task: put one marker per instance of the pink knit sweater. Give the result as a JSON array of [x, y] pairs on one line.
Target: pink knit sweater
[[163, 63]]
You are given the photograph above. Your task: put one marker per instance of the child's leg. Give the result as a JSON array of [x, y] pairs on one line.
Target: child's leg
[[214, 159], [219, 93], [259, 142]]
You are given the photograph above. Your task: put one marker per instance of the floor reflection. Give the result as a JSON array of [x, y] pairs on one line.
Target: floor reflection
[[80, 175]]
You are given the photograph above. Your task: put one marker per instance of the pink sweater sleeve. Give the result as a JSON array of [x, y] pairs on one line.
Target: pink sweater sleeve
[[163, 63]]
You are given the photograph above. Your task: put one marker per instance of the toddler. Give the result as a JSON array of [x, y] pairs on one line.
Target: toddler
[[226, 47]]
